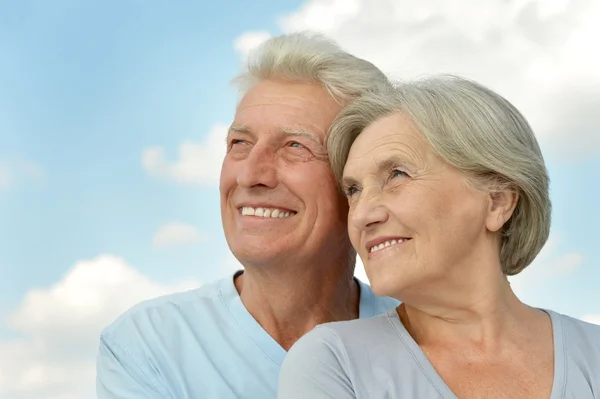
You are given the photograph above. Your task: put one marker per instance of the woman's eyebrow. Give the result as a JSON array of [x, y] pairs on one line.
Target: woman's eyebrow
[[409, 159], [348, 181], [388, 164]]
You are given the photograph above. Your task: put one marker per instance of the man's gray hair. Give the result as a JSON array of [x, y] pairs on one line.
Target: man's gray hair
[[475, 130], [311, 58]]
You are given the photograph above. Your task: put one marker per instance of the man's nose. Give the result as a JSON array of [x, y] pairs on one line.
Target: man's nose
[[369, 211], [260, 168]]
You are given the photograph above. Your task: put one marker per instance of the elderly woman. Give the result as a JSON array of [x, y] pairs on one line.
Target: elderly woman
[[448, 196]]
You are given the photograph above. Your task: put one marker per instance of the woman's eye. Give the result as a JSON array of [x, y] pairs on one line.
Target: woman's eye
[[295, 144], [397, 173], [350, 191]]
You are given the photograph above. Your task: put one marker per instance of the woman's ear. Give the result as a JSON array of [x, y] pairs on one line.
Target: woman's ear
[[501, 207]]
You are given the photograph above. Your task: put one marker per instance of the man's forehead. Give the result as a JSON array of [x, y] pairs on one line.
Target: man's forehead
[[285, 117], [299, 95], [293, 105]]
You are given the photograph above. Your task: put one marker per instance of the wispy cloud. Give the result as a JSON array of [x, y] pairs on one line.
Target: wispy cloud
[[592, 318], [5, 176], [60, 326], [538, 54], [14, 170], [551, 263], [198, 163], [176, 234], [249, 41]]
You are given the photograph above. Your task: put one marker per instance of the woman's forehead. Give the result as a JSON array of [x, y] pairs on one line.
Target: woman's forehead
[[387, 140]]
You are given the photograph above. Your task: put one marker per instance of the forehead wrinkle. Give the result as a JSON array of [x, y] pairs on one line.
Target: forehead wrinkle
[[386, 152], [348, 177], [406, 146], [284, 131]]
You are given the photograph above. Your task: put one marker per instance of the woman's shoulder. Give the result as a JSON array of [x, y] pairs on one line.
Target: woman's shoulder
[[578, 330], [323, 362], [580, 341], [347, 337], [352, 332]]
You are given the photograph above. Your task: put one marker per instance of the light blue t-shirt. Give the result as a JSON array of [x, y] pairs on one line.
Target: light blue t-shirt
[[378, 359], [200, 344]]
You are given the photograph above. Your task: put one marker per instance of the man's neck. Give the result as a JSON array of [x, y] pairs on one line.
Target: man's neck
[[288, 305]]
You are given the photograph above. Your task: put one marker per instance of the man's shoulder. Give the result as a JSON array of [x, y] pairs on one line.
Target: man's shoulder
[[385, 303], [371, 304], [166, 310]]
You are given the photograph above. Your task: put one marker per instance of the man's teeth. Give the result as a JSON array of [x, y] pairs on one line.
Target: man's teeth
[[266, 212], [376, 248]]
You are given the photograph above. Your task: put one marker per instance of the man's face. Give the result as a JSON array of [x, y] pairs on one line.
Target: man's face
[[279, 199]]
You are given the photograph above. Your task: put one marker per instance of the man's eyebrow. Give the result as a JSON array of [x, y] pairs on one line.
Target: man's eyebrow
[[238, 128], [286, 131], [302, 133]]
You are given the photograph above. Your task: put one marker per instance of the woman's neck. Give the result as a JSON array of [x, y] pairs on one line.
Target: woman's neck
[[482, 317]]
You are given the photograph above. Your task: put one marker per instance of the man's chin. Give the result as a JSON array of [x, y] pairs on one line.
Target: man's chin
[[260, 255]]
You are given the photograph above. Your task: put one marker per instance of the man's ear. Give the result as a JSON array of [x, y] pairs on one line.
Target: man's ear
[[502, 204]]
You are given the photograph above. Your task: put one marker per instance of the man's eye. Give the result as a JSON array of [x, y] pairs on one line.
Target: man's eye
[[295, 144], [236, 141]]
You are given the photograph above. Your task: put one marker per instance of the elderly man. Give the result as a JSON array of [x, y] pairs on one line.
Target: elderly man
[[284, 220]]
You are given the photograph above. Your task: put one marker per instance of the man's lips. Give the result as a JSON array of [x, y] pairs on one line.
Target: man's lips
[[265, 210]]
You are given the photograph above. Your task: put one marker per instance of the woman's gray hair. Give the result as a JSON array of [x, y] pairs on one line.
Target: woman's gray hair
[[475, 130], [311, 58]]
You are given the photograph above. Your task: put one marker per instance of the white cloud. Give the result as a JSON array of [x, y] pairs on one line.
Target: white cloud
[[592, 318], [60, 326], [230, 264], [18, 169], [29, 169], [539, 54], [321, 15], [5, 176], [249, 41], [549, 264], [174, 234], [196, 164], [359, 271]]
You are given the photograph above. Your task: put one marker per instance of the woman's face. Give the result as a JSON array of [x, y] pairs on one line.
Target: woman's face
[[414, 220]]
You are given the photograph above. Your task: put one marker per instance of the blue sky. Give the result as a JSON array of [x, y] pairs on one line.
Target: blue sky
[[88, 89], [87, 86]]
